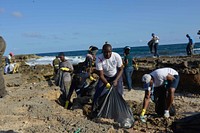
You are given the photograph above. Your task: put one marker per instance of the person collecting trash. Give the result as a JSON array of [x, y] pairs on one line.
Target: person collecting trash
[[163, 80], [64, 79]]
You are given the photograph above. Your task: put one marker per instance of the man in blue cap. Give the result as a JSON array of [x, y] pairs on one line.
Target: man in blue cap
[[156, 79]]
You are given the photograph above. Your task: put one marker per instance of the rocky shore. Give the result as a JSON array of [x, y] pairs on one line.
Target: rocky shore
[[30, 104]]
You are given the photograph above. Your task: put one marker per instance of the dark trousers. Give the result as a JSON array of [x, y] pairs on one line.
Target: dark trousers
[[156, 49], [189, 49]]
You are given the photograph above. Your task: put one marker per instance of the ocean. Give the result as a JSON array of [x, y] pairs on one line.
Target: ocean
[[137, 52]]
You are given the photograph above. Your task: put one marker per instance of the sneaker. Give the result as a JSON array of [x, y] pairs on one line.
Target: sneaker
[[166, 115], [143, 118]]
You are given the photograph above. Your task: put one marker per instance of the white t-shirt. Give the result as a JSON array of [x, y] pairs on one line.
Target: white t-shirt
[[109, 66], [156, 39], [160, 75]]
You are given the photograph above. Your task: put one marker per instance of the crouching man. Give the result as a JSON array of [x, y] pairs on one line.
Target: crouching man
[[164, 79]]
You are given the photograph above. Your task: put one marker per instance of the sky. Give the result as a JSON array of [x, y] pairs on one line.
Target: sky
[[43, 26]]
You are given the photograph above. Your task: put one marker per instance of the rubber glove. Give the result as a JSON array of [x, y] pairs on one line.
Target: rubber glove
[[92, 78], [66, 104], [142, 115], [108, 86], [143, 112], [64, 69]]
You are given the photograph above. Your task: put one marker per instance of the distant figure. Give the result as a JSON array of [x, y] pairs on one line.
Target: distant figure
[[155, 40], [90, 59], [128, 66], [189, 48], [3, 91], [56, 63], [64, 79], [11, 65], [109, 66], [164, 80]]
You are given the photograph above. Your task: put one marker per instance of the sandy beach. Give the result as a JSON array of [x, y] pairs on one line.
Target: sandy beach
[[30, 107]]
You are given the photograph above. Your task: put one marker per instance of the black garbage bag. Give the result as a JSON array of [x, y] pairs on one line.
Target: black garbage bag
[[160, 94], [150, 44], [115, 107], [190, 124]]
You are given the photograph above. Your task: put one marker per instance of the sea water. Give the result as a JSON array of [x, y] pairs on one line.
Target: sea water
[[137, 52]]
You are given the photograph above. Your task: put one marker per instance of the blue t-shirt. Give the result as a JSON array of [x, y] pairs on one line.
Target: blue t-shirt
[[130, 60]]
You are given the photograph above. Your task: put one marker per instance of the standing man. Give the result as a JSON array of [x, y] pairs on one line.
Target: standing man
[[189, 47], [3, 91], [155, 44], [64, 79], [110, 69], [155, 80]]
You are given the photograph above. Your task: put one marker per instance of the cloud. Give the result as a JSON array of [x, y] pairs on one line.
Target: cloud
[[17, 14], [33, 35], [1, 10]]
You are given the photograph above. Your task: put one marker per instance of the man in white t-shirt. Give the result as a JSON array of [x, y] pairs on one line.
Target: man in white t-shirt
[[110, 69], [158, 78]]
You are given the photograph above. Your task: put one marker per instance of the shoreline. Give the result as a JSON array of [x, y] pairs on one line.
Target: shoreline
[[30, 104]]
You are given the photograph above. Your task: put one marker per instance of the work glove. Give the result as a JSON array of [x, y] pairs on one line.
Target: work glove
[[64, 69], [92, 78], [108, 86], [142, 115], [66, 104], [136, 66]]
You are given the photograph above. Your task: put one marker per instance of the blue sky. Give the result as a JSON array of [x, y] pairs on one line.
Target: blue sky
[[40, 26]]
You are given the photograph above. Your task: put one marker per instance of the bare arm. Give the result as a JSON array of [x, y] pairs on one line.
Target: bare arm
[[146, 99], [170, 77], [119, 74], [101, 76]]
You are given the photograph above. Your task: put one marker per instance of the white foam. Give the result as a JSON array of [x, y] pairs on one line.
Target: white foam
[[49, 59]]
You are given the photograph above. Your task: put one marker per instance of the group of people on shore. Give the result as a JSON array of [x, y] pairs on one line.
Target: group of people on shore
[[110, 68], [153, 45]]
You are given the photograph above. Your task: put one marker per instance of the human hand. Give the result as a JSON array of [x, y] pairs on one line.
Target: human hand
[[114, 83], [170, 77], [143, 118], [92, 78], [108, 86]]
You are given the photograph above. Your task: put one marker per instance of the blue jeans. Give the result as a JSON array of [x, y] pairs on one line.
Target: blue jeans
[[128, 71]]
